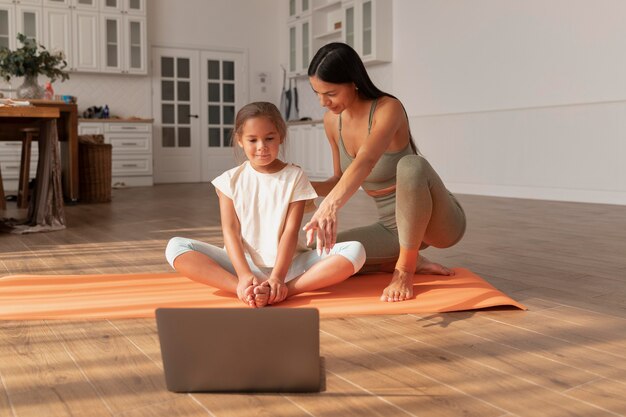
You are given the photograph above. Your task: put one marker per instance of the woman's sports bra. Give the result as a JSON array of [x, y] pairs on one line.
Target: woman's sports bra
[[382, 179]]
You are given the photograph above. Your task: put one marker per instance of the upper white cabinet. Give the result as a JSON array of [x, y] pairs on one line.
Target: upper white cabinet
[[95, 35], [85, 39], [74, 30], [299, 8], [124, 46], [72, 4], [367, 28], [57, 32], [136, 7], [19, 17], [366, 25], [300, 46]]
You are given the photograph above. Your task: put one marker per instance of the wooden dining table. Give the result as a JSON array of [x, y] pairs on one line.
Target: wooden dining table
[[45, 210], [67, 133]]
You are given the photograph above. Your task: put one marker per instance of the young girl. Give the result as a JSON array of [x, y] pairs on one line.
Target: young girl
[[261, 206]]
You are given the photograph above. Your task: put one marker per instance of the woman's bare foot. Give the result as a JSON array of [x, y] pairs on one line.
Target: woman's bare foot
[[426, 267], [261, 294], [400, 288]]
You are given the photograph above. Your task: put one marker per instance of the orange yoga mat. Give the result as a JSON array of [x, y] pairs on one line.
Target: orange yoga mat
[[28, 297]]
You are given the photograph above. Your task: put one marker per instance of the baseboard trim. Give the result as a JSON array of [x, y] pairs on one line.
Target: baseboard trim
[[540, 193]]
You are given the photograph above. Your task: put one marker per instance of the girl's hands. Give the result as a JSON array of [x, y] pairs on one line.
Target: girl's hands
[[278, 290], [244, 291], [324, 225]]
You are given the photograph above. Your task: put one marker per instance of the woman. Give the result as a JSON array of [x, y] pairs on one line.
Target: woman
[[368, 131]]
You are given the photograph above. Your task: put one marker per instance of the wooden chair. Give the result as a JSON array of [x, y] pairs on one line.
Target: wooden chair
[[3, 202], [22, 187]]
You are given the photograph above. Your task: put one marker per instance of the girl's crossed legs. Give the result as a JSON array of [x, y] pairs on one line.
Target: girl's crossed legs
[[210, 265]]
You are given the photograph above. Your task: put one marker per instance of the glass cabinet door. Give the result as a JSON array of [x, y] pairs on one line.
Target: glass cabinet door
[[306, 42], [367, 28], [349, 26], [292, 49], [112, 45], [29, 22], [111, 6], [137, 7], [6, 27], [85, 4], [135, 44]]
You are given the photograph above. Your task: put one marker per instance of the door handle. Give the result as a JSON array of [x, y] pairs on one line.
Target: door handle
[[193, 115]]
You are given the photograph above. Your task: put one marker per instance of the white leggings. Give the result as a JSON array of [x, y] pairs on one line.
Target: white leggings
[[302, 262]]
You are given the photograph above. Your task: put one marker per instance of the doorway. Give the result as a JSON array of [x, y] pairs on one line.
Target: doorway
[[195, 95]]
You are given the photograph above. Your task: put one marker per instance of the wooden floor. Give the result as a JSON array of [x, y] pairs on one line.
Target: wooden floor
[[566, 356]]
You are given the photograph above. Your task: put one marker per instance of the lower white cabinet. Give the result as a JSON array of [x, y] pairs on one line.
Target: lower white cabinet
[[132, 150], [10, 154], [307, 147]]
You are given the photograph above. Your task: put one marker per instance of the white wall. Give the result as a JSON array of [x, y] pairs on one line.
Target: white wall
[[517, 98], [254, 26], [513, 98]]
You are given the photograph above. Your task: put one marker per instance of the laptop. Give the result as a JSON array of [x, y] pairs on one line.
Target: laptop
[[240, 349]]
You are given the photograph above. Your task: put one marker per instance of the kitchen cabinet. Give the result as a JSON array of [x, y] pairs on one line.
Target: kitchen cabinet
[[327, 22], [300, 46], [96, 35], [299, 8], [72, 4], [74, 30], [10, 154], [308, 148], [367, 28], [18, 16], [366, 25], [132, 149], [132, 7], [123, 46]]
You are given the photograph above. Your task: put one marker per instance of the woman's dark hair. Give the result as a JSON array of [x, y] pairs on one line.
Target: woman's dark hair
[[338, 63]]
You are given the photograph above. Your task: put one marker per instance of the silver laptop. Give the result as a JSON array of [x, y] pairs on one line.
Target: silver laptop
[[240, 349]]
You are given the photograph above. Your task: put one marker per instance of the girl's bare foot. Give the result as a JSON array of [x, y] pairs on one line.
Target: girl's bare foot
[[400, 288], [426, 267], [249, 296], [261, 294]]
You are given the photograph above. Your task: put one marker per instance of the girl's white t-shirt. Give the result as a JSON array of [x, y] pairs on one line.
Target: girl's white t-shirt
[[261, 202]]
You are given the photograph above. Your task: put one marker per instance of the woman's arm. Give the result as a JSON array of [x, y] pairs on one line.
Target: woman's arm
[[286, 248], [389, 117], [231, 228]]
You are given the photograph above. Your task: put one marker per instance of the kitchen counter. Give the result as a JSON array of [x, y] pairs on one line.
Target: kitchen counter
[[304, 122], [116, 120]]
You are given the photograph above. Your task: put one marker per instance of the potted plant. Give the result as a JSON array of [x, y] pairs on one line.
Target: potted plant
[[29, 61]]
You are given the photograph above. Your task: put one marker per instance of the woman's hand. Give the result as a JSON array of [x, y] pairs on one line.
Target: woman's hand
[[245, 289], [278, 290], [324, 225]]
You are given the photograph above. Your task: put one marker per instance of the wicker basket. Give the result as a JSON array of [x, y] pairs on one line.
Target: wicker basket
[[94, 167]]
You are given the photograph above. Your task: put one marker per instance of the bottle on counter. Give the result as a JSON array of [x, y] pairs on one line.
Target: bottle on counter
[[49, 91], [105, 112]]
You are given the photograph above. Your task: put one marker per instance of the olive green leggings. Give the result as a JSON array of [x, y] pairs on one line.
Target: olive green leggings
[[421, 213]]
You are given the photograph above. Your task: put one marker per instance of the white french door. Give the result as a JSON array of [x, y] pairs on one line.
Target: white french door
[[223, 91], [195, 96]]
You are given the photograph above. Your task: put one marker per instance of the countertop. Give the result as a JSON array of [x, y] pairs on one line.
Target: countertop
[[116, 120], [303, 122]]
